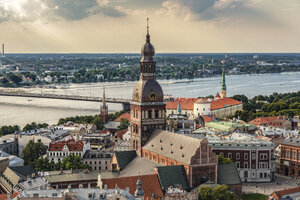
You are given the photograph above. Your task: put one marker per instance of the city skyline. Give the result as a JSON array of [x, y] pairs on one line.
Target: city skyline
[[176, 26]]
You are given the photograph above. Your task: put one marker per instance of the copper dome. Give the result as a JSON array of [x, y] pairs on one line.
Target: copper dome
[[147, 51], [148, 91]]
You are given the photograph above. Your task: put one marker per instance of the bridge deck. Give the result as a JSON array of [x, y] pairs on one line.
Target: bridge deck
[[66, 97]]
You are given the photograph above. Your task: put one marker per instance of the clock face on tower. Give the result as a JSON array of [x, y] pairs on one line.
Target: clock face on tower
[[152, 96]]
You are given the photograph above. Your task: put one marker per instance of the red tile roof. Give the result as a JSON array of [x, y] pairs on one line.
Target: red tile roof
[[185, 103], [207, 119], [104, 131], [124, 115], [262, 120], [150, 184], [280, 193], [217, 95], [121, 133], [72, 145], [13, 195], [221, 103]]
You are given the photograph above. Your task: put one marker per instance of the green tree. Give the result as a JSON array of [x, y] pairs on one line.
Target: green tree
[[98, 122], [241, 97], [33, 151], [73, 162], [205, 193], [124, 124], [220, 192], [222, 160]]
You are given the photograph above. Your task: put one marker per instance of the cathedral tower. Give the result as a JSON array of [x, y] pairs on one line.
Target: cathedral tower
[[147, 107], [223, 89], [104, 109]]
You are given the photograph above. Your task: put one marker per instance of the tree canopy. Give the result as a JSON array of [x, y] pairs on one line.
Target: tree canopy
[[33, 151], [69, 162], [124, 124], [219, 192]]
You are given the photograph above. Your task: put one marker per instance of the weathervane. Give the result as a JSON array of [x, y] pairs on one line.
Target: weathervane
[[148, 25]]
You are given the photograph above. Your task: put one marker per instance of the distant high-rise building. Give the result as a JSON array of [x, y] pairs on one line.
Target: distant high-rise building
[[223, 89], [3, 50], [104, 109]]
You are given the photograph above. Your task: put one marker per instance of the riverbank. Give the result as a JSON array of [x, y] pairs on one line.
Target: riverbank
[[20, 111]]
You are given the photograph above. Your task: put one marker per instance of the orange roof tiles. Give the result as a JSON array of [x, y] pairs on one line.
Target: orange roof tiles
[[121, 133], [13, 195], [124, 115], [150, 184], [217, 95], [104, 131], [185, 103], [71, 144], [207, 119], [221, 103], [280, 193], [262, 120]]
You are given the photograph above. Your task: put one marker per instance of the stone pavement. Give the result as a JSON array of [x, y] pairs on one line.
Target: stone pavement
[[280, 183]]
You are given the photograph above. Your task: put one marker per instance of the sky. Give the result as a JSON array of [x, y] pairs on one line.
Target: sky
[[176, 26]]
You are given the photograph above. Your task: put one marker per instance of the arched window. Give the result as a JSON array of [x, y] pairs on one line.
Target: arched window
[[150, 114], [136, 129], [133, 144], [156, 114], [137, 145]]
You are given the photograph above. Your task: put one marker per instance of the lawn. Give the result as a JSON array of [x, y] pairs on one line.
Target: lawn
[[254, 197]]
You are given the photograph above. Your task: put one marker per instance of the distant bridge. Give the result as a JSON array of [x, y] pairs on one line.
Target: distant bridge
[[125, 102]]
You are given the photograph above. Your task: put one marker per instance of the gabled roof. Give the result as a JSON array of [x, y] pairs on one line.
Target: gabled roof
[[207, 119], [124, 157], [172, 145], [124, 115], [221, 103], [172, 176], [281, 193], [150, 184], [23, 171], [71, 144], [262, 120], [12, 196], [121, 133], [228, 174], [217, 95], [185, 103]]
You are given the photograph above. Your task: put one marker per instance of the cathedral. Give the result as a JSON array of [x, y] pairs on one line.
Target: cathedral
[[151, 141]]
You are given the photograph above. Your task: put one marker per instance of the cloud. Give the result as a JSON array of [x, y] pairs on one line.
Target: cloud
[[213, 9], [47, 10]]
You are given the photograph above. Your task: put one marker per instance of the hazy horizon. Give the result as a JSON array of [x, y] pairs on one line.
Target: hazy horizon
[[177, 26]]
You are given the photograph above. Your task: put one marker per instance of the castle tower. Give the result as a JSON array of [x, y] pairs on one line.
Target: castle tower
[[147, 107], [223, 89], [104, 109]]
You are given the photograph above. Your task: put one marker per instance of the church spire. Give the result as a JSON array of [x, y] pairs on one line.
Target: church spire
[[148, 50], [223, 80], [103, 98], [223, 89], [179, 108]]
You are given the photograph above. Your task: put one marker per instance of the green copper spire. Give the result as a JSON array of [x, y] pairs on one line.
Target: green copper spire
[[223, 80], [178, 107]]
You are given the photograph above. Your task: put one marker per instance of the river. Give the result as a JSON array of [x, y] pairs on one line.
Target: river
[[20, 111]]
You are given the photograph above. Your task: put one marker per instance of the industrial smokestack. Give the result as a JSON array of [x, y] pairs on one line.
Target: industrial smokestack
[[2, 49]]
